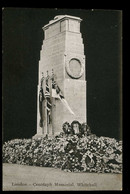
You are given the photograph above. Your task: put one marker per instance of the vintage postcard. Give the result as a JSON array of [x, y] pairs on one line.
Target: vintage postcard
[[62, 99]]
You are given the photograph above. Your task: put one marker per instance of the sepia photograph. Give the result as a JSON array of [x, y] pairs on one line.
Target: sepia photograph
[[62, 99]]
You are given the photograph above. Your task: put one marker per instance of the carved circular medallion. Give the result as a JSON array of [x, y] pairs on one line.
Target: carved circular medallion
[[74, 68]]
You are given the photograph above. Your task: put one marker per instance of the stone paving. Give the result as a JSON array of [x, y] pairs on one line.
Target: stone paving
[[31, 178]]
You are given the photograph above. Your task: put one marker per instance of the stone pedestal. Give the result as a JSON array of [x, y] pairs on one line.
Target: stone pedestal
[[63, 51]]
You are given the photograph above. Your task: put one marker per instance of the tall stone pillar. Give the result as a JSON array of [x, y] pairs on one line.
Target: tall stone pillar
[[63, 51]]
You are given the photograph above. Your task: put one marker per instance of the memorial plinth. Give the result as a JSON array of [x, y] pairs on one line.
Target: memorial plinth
[[63, 51]]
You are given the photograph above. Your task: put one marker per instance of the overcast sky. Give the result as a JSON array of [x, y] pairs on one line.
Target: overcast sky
[[22, 41]]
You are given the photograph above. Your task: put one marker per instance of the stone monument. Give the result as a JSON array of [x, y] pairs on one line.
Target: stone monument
[[63, 53]]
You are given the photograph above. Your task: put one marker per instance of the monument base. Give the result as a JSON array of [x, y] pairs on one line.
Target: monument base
[[38, 136], [44, 135]]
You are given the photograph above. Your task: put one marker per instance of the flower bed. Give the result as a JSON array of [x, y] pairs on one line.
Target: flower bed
[[68, 152]]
